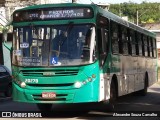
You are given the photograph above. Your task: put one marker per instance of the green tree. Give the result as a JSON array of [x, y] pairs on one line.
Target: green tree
[[147, 12]]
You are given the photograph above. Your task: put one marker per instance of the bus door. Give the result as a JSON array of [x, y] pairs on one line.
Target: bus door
[[103, 48]]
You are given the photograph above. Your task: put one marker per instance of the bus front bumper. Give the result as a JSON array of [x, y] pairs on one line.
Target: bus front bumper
[[81, 95]]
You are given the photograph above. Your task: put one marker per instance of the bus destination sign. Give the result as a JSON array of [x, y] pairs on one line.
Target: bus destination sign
[[59, 14], [51, 14]]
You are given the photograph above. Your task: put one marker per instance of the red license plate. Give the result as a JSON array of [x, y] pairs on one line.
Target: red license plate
[[48, 95]]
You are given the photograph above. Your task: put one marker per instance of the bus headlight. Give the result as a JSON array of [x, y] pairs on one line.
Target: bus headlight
[[77, 84], [23, 84]]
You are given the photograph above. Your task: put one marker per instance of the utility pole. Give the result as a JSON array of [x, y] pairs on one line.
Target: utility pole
[[137, 17], [120, 12]]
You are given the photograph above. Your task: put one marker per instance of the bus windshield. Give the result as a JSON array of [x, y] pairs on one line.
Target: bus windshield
[[58, 45]]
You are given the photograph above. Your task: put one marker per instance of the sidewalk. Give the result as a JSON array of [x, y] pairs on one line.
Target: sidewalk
[[158, 82]]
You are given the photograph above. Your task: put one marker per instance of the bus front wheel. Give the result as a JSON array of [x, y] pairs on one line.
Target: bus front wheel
[[44, 107]]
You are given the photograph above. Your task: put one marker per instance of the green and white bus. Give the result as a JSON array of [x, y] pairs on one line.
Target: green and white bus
[[78, 53]]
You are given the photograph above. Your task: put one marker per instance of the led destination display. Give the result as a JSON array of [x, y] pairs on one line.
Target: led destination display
[[51, 14]]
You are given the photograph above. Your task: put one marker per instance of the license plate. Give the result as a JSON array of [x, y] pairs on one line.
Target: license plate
[[48, 95]]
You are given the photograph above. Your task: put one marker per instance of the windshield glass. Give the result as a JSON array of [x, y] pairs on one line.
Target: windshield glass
[[54, 45]]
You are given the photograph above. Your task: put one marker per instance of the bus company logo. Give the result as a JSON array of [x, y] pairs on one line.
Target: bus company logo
[[6, 114]]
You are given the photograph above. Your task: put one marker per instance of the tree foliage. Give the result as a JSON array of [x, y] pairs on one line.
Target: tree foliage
[[145, 12]]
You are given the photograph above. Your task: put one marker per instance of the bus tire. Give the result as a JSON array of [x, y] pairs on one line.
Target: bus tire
[[44, 107], [113, 96], [143, 92]]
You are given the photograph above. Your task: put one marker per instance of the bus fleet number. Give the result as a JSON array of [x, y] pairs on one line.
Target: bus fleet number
[[31, 80]]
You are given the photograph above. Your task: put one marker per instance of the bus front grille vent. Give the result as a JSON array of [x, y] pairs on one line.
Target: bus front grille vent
[[41, 73], [51, 85]]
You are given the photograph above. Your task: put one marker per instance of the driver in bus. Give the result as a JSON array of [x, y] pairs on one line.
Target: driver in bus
[[86, 46], [60, 43]]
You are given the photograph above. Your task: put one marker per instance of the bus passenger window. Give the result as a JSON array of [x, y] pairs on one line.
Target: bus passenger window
[[145, 47], [136, 41], [114, 38], [151, 46], [132, 42], [148, 46], [124, 40], [154, 48], [139, 44]]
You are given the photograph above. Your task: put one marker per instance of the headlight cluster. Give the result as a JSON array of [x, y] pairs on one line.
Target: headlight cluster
[[79, 84], [20, 83]]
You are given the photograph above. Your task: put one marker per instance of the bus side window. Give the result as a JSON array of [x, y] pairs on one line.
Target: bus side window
[[139, 44], [124, 41], [150, 46], [114, 38], [136, 40], [103, 43], [104, 33], [145, 46], [133, 43], [154, 48]]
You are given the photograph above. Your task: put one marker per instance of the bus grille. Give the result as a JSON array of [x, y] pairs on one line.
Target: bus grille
[[41, 73]]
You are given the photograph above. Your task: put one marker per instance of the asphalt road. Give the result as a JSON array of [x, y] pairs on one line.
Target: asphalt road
[[131, 105]]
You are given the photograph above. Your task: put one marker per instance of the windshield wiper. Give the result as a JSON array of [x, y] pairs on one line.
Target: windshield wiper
[[69, 27], [65, 35]]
